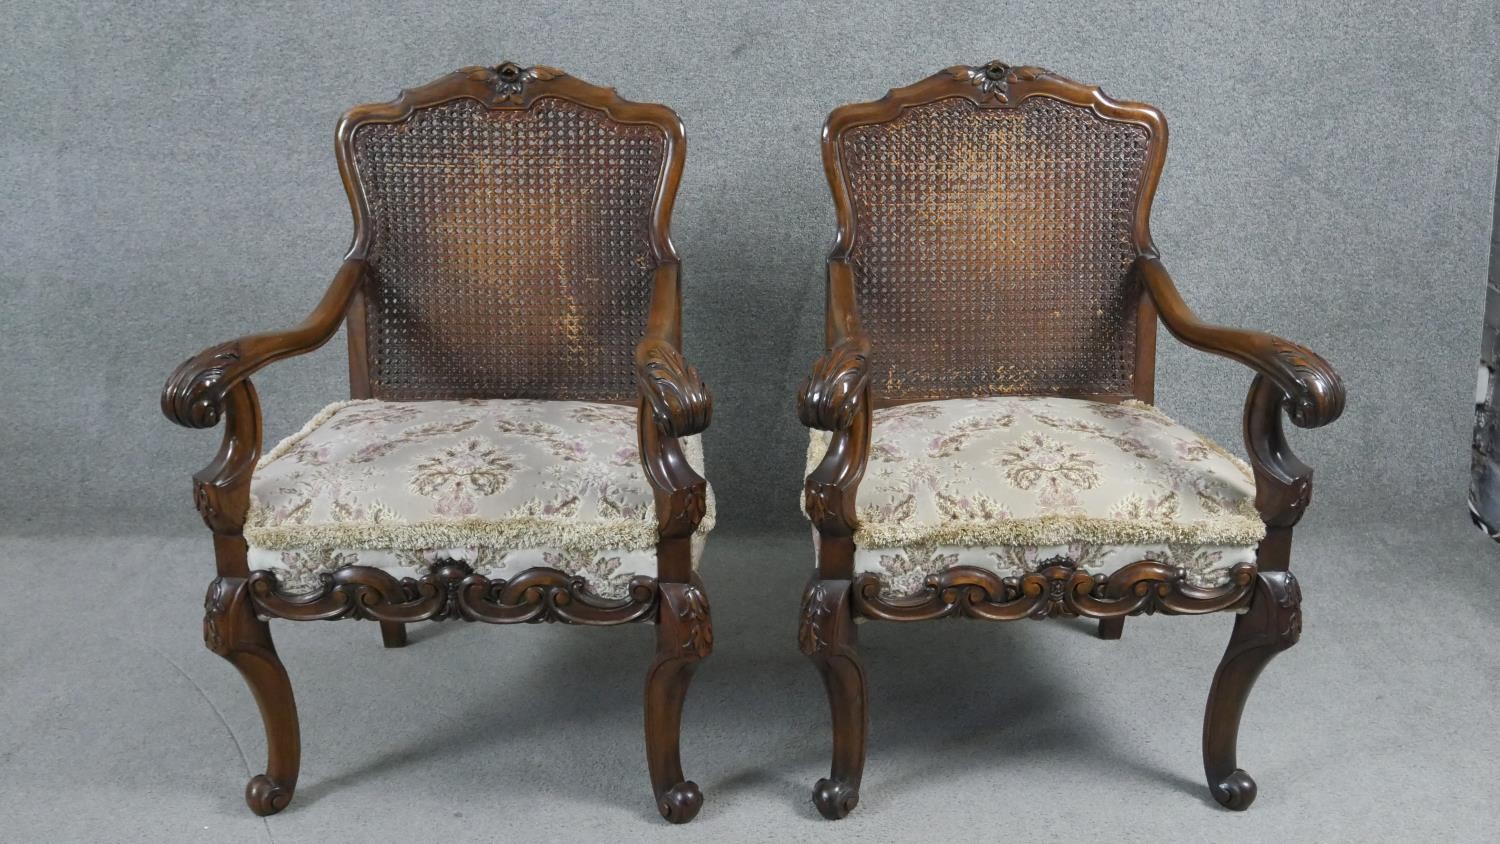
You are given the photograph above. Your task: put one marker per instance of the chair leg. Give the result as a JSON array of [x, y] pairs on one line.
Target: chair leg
[[1111, 628], [232, 630], [684, 636], [828, 638], [393, 634], [1272, 624]]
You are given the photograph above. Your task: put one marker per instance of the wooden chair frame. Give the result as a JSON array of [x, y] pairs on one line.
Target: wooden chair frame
[[673, 403], [838, 397]]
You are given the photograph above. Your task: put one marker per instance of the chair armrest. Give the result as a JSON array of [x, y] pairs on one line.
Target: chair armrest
[[195, 393], [836, 397], [837, 387], [1313, 393], [679, 400], [216, 385], [674, 402]]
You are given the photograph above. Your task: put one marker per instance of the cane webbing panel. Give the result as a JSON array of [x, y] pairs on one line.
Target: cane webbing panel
[[511, 251], [991, 248]]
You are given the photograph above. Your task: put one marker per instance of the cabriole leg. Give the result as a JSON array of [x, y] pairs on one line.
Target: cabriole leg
[[684, 636], [1272, 624], [231, 630], [828, 638]]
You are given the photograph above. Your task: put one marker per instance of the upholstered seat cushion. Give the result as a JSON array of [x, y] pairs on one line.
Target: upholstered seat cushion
[[1007, 483], [502, 485]]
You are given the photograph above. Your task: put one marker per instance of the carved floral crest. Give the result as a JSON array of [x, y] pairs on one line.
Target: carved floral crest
[[993, 78], [510, 79]]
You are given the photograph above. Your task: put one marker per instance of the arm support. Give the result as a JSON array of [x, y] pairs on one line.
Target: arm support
[[836, 397], [835, 392], [216, 384], [679, 401], [1287, 377], [196, 392], [674, 402], [1312, 393]]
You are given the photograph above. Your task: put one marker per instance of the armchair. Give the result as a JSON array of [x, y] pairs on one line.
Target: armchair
[[513, 310], [983, 440]]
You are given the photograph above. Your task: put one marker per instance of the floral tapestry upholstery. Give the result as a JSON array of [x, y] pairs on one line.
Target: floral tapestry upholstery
[[502, 485], [1008, 483]]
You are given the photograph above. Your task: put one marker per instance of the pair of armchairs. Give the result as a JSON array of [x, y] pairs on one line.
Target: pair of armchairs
[[521, 440]]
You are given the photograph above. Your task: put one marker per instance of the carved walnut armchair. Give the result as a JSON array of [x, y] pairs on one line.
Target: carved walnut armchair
[[520, 444], [991, 326]]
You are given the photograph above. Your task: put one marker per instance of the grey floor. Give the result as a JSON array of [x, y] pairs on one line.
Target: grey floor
[[118, 726]]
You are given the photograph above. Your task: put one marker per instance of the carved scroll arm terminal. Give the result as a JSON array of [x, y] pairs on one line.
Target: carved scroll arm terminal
[[216, 385], [674, 403], [195, 394], [836, 397], [679, 402], [1313, 394], [1288, 377], [835, 391]]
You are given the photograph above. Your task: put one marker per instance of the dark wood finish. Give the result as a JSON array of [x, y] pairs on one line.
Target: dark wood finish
[[673, 402], [1056, 589], [196, 395], [828, 637], [232, 630], [845, 385], [684, 637], [393, 634], [1310, 391], [512, 90], [1110, 629], [1272, 624], [453, 591]]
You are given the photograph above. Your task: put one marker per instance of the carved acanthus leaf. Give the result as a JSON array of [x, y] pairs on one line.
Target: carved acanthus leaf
[[684, 509], [816, 613], [831, 396], [697, 630], [215, 606], [679, 400], [194, 394], [1316, 395]]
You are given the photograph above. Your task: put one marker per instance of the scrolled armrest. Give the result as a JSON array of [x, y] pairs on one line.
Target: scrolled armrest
[[679, 400], [1313, 392], [831, 396], [194, 395]]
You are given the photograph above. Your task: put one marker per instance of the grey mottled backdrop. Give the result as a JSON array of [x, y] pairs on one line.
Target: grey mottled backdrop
[[167, 181]]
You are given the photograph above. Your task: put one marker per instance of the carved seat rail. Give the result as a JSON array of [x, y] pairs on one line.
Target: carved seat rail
[[1057, 589], [452, 590]]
